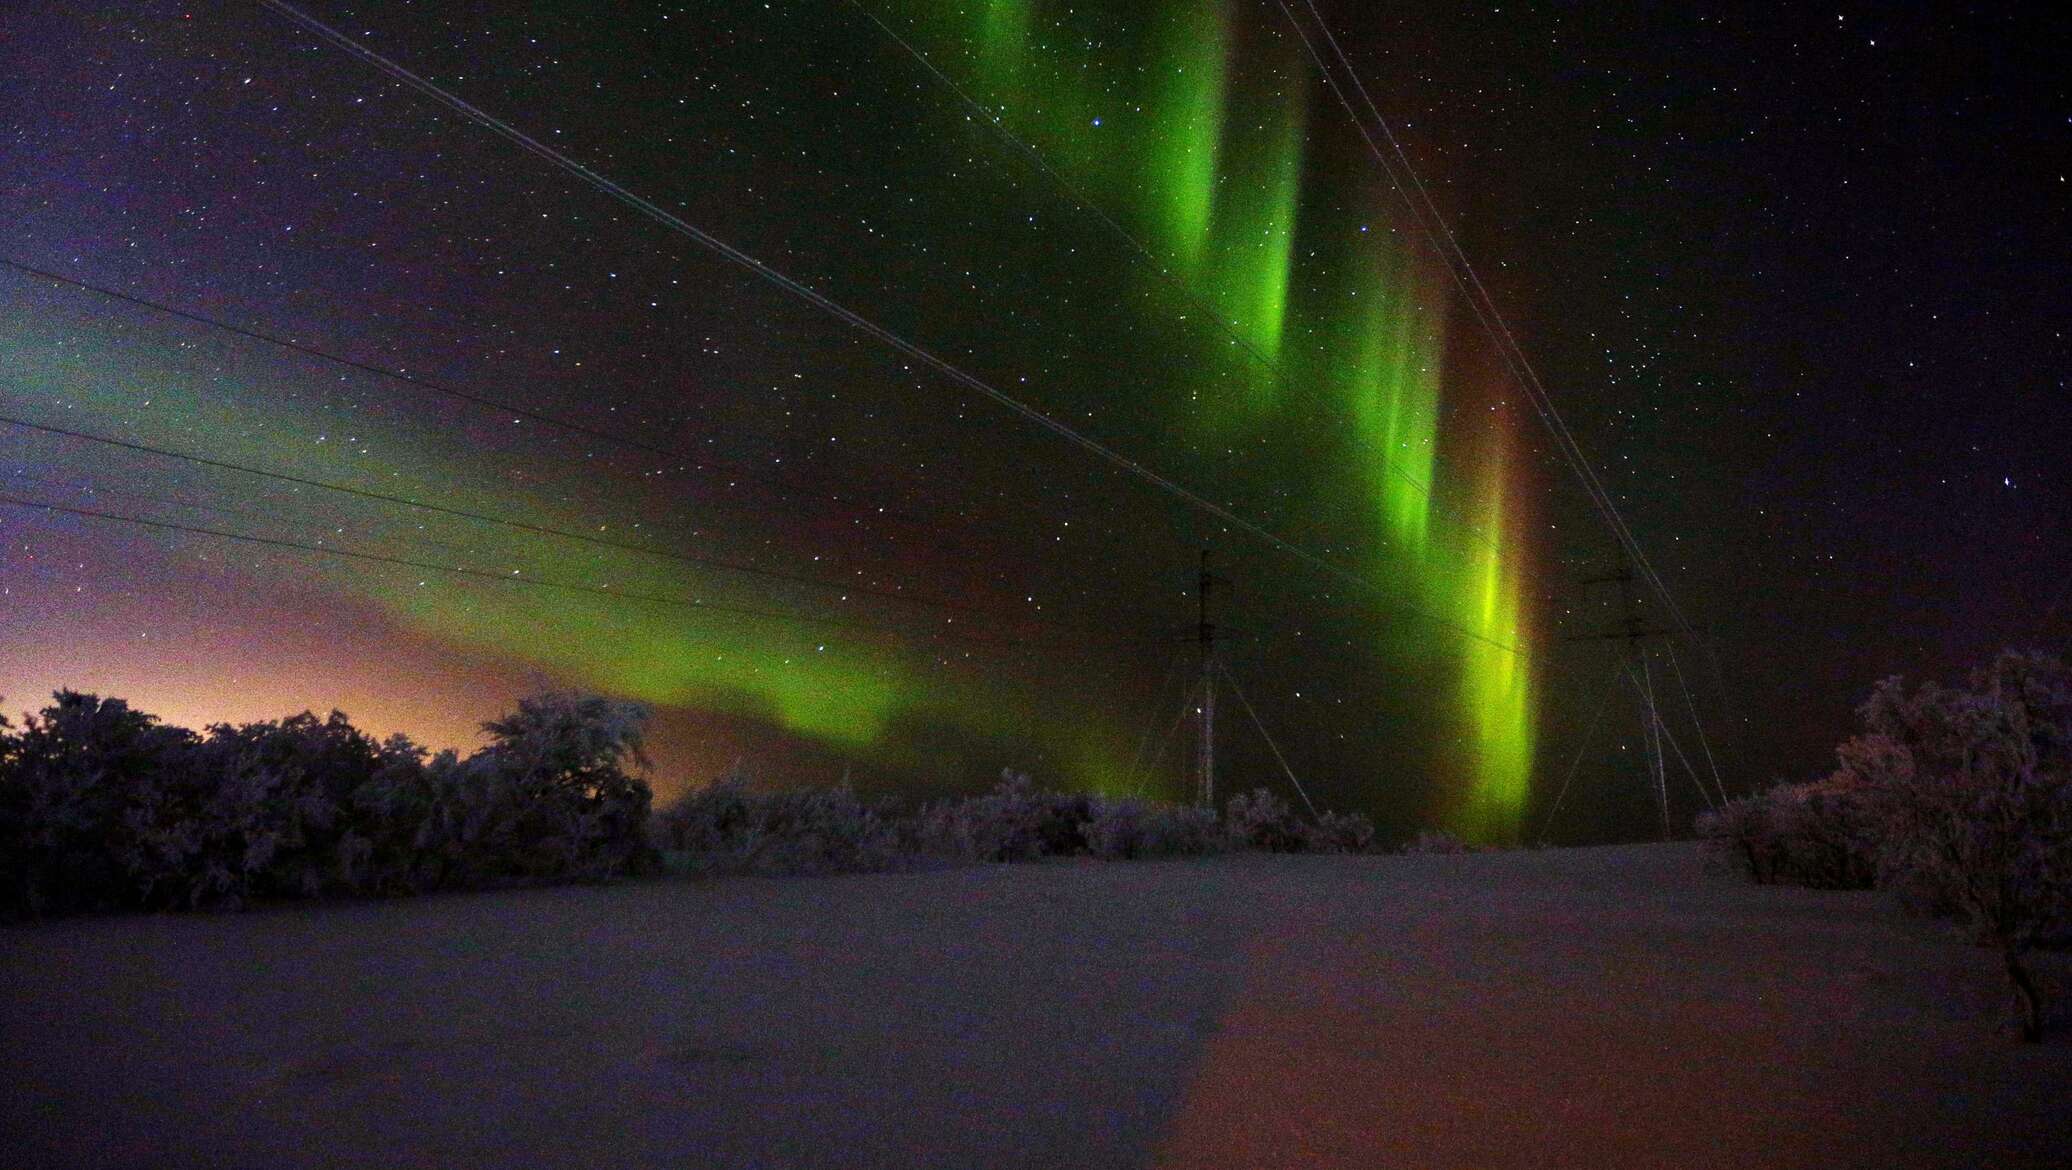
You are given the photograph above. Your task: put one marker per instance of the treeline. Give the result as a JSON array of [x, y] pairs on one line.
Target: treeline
[[1958, 799], [104, 807], [728, 827]]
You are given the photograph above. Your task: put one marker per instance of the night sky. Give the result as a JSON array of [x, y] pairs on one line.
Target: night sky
[[1794, 279]]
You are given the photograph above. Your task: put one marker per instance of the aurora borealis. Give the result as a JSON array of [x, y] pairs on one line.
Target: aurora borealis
[[1218, 108], [1157, 228]]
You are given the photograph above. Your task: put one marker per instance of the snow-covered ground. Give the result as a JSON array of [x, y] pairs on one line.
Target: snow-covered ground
[[1588, 1008]]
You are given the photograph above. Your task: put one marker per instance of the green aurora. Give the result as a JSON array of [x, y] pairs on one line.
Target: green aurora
[[1221, 124], [1187, 125]]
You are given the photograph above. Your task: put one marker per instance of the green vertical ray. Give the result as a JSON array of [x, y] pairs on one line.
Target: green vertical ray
[[1496, 675], [1254, 229], [1187, 94], [1385, 361], [1386, 355], [1409, 390], [1003, 44]]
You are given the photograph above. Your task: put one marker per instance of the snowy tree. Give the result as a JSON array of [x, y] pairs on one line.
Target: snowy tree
[[1975, 787]]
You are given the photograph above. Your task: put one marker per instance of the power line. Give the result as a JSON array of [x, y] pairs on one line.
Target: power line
[[1484, 306], [1697, 723], [495, 404], [929, 524], [90, 489], [822, 301], [1662, 728], [1187, 707], [1148, 257], [515, 579], [536, 529], [810, 295]]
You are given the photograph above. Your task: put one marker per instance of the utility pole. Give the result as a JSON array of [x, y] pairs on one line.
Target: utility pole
[[1635, 632], [1205, 632]]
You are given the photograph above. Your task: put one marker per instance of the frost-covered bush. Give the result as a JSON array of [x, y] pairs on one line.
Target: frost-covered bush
[[68, 782], [1182, 830], [409, 819], [1118, 831], [1129, 829], [1016, 821], [1335, 832], [258, 810], [550, 796], [1826, 834], [725, 827], [709, 820], [820, 831], [1740, 831], [1976, 789], [1260, 820], [1064, 821]]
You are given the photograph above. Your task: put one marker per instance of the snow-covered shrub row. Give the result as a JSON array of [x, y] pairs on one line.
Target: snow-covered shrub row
[[1129, 829], [725, 828], [1016, 821], [728, 827], [102, 806], [1960, 799], [1263, 821]]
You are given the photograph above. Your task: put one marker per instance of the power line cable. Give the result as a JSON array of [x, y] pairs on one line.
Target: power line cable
[[1661, 728], [1506, 340], [1189, 705], [1696, 722], [926, 524], [307, 350], [1518, 365], [1158, 707], [494, 404], [94, 491], [1509, 342]]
